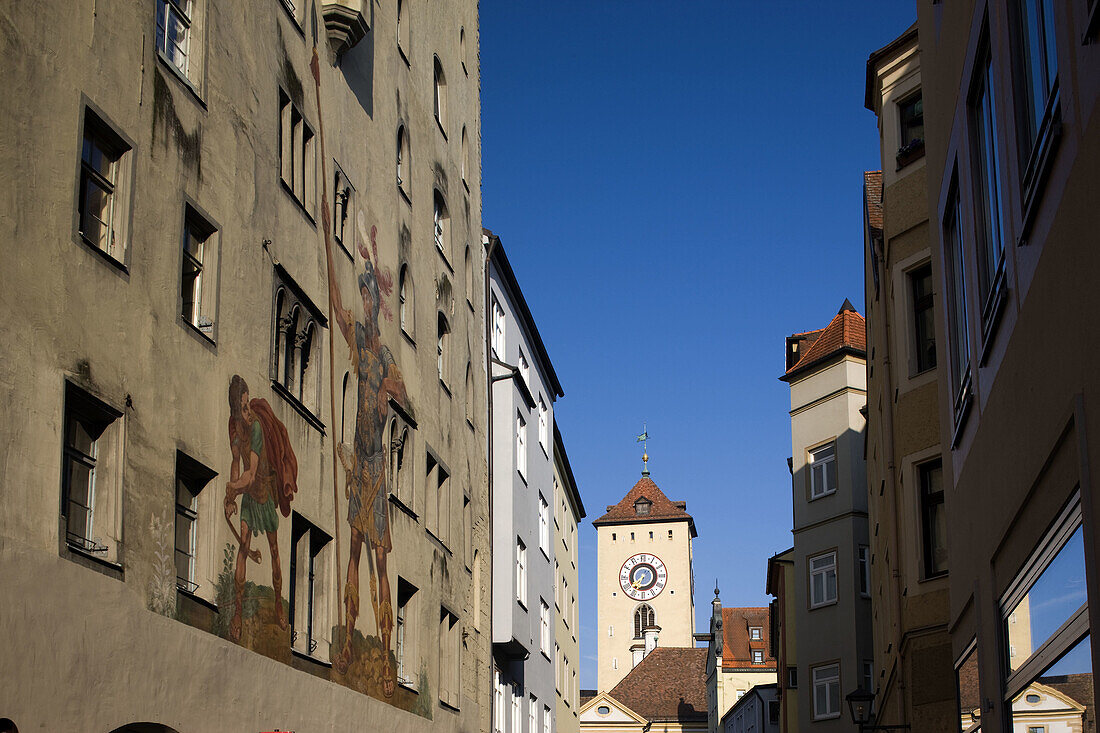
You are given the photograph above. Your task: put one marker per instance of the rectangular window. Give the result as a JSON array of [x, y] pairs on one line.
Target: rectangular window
[[968, 691], [498, 702], [191, 477], [174, 32], [521, 445], [546, 719], [467, 530], [868, 675], [924, 325], [756, 633], [342, 204], [101, 215], [517, 695], [198, 279], [823, 470], [823, 580], [864, 556], [757, 656], [958, 341], [309, 618], [933, 518], [498, 330], [1037, 55], [544, 627], [444, 511], [521, 572], [89, 473], [544, 526], [989, 215], [406, 659], [826, 691], [449, 659], [911, 113], [524, 369], [792, 678], [533, 714], [544, 425], [297, 161]]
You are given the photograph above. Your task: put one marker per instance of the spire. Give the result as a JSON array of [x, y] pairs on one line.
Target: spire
[[644, 440], [847, 306]]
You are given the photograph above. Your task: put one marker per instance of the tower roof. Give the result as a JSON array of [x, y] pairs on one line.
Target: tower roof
[[661, 508], [846, 333]]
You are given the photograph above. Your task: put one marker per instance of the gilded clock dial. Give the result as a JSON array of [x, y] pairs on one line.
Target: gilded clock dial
[[643, 576]]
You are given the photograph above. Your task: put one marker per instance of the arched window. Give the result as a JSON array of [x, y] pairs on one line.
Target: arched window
[[469, 393], [403, 162], [441, 221], [441, 347], [290, 336], [468, 266], [402, 25], [305, 373], [440, 95], [643, 619], [477, 591], [281, 307], [344, 408], [462, 50], [405, 300], [465, 162]]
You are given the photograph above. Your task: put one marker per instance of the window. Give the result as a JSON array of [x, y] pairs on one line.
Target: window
[[756, 633], [924, 325], [89, 474], [440, 95], [296, 345], [1037, 73], [670, 534], [443, 331], [533, 714], [464, 163], [297, 164], [546, 719], [517, 695], [341, 204], [441, 223], [443, 508], [757, 656], [823, 579], [309, 622], [403, 164], [823, 470], [641, 508], [543, 426], [403, 33], [465, 70], [643, 619], [968, 690], [497, 342], [498, 701], [174, 33], [467, 530], [544, 627], [449, 658], [864, 562], [470, 395], [198, 279], [792, 678], [911, 114], [521, 445], [826, 691], [933, 518], [405, 300], [989, 216], [958, 341], [400, 448], [524, 369], [437, 509], [101, 219], [406, 661], [544, 526], [468, 271], [521, 572], [191, 478]]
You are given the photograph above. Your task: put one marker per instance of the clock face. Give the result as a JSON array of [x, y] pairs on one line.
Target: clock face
[[643, 576]]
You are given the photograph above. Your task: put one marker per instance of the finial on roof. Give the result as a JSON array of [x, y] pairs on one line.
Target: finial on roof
[[644, 440], [846, 307], [716, 587]]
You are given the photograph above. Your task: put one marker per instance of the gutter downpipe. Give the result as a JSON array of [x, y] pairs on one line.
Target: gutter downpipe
[[888, 439], [489, 454]]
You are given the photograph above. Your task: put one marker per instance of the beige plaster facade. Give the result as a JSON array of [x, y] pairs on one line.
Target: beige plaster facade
[[189, 216], [618, 540], [909, 554]]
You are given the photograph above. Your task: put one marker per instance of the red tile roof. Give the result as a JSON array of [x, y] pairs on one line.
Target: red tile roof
[[669, 684], [846, 332], [737, 647], [662, 508], [872, 191]]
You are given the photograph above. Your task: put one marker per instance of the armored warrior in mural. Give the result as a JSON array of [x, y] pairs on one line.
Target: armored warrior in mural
[[365, 462], [265, 475]]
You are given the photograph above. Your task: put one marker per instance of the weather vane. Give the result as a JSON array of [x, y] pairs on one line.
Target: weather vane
[[644, 440]]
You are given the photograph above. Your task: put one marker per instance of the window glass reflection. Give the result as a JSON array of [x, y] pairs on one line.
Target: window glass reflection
[[969, 694], [1060, 698]]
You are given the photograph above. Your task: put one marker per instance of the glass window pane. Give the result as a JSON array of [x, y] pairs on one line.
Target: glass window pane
[[968, 691], [1051, 600], [1061, 697], [183, 565], [183, 534]]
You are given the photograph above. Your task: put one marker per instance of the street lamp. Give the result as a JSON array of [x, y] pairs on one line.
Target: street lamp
[[861, 704]]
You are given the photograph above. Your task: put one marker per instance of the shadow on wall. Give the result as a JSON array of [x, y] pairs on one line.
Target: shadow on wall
[[358, 65], [139, 728]]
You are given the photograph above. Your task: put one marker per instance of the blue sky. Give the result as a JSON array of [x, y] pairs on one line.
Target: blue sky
[[678, 188]]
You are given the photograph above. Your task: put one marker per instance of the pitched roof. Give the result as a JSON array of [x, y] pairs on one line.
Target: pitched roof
[[662, 509], [737, 647], [669, 684], [846, 333], [872, 193]]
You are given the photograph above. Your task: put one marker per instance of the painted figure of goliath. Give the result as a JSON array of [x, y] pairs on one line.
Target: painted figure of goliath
[[365, 462]]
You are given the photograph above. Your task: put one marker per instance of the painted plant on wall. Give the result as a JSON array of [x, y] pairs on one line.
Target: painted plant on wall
[[364, 463], [264, 474]]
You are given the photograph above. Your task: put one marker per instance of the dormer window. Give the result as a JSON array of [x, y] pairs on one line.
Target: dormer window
[[755, 633], [642, 507]]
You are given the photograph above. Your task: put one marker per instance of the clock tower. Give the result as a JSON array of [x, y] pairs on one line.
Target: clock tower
[[644, 579]]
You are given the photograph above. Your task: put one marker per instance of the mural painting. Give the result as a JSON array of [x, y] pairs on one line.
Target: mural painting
[[366, 488]]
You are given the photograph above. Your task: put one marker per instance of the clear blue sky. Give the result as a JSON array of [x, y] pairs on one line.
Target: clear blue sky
[[678, 188]]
